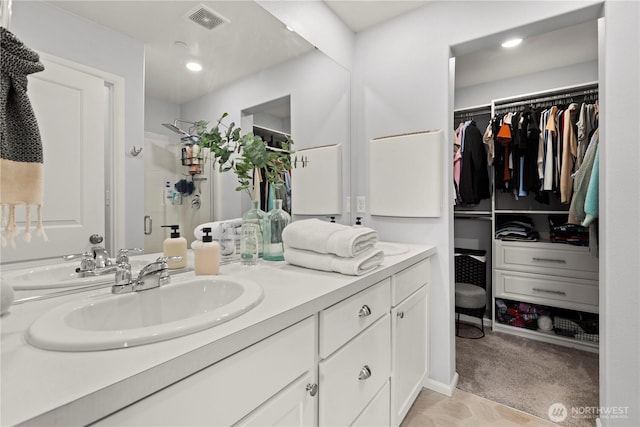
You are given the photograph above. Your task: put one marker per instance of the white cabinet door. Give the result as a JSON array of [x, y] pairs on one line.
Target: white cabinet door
[[69, 107], [409, 347], [292, 407], [228, 391]]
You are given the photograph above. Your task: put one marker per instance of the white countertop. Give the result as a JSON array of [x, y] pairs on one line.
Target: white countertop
[[40, 387]]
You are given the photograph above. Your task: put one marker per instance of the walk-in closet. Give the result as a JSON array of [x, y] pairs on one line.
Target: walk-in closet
[[525, 160]]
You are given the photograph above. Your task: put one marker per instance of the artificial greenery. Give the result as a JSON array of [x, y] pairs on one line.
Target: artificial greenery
[[244, 153]]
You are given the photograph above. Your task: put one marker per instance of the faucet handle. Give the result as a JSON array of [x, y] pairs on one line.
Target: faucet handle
[[75, 256], [123, 254], [123, 274], [164, 259]]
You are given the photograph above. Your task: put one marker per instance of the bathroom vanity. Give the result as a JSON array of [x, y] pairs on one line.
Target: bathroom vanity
[[320, 349]]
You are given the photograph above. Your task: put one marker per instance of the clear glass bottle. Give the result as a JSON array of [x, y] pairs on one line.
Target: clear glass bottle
[[277, 220], [251, 240]]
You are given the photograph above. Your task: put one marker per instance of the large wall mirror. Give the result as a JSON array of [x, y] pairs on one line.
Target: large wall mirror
[[250, 61]]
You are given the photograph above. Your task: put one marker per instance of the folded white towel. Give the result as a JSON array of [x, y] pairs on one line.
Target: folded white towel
[[329, 238], [353, 266], [216, 228]]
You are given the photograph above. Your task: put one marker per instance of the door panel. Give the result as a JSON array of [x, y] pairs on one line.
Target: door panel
[[69, 107]]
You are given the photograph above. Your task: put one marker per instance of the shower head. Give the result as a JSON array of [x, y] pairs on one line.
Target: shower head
[[174, 128]]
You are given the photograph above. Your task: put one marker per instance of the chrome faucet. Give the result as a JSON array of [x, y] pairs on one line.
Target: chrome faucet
[[96, 261], [151, 276]]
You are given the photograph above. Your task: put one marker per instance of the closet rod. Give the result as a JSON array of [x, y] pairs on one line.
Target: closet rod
[[555, 97]]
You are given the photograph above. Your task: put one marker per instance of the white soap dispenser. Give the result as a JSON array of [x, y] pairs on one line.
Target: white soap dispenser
[[175, 246], [207, 254]]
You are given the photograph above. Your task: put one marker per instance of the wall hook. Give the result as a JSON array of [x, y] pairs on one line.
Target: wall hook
[[135, 150]]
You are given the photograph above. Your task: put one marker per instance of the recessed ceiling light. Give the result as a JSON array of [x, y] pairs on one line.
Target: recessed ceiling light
[[194, 66], [512, 42]]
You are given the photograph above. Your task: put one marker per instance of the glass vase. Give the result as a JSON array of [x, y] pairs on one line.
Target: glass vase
[[277, 220], [251, 246]]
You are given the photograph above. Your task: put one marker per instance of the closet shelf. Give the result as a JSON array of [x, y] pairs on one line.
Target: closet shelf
[[531, 211]]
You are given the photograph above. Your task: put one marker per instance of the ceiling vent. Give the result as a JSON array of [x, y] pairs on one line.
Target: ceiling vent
[[206, 17]]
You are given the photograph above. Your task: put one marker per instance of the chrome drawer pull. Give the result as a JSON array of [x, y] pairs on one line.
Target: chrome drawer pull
[[365, 373], [559, 261], [312, 389], [550, 291], [364, 311]]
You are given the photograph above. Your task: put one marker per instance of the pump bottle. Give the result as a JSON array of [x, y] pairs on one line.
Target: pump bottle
[[207, 254], [175, 246]]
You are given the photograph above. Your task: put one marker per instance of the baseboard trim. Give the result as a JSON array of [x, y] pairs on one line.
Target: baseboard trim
[[474, 320], [442, 388]]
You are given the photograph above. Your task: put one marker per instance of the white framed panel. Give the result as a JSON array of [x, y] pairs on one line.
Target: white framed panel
[[405, 178]]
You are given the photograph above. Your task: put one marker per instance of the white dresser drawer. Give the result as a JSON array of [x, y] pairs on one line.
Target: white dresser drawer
[[409, 280], [546, 258], [576, 294], [351, 377], [344, 320]]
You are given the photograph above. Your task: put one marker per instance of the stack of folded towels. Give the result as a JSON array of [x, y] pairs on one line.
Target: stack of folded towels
[[217, 228], [327, 246]]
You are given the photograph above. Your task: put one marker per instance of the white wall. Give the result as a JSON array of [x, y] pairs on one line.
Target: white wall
[[157, 112], [401, 75], [619, 211], [320, 107], [482, 94], [48, 29]]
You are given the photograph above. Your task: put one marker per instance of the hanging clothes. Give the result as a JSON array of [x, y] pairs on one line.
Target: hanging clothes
[[474, 175], [569, 152]]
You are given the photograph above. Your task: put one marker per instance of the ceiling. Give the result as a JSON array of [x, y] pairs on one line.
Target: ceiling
[[252, 40], [359, 15], [554, 49]]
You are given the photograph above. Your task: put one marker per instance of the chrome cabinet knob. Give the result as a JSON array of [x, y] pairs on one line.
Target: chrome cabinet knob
[[365, 373], [400, 314], [312, 389], [364, 311]]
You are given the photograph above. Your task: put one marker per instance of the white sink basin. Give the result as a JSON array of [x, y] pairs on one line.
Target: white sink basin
[[59, 276], [118, 321]]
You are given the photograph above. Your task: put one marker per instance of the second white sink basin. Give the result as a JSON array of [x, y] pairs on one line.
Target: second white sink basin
[[59, 276], [118, 321]]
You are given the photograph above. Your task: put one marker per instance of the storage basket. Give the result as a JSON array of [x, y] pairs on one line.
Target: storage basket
[[470, 266]]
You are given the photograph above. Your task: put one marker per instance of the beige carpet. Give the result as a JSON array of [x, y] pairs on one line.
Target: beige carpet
[[529, 375]]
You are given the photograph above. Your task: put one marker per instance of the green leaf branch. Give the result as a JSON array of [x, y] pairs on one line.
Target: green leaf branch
[[243, 154]]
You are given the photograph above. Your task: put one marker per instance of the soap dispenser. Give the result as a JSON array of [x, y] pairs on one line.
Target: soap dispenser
[[207, 254], [175, 246]]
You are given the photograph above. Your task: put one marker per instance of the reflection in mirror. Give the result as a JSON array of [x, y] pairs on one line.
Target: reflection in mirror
[[150, 55]]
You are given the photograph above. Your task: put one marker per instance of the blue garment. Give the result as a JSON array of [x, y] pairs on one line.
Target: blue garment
[[591, 201]]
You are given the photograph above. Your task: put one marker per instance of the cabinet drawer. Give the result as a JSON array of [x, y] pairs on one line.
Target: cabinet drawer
[[377, 411], [227, 391], [409, 280], [547, 258], [577, 294], [344, 320], [345, 387]]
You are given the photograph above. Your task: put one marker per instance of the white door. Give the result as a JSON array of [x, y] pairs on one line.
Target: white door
[[69, 107]]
